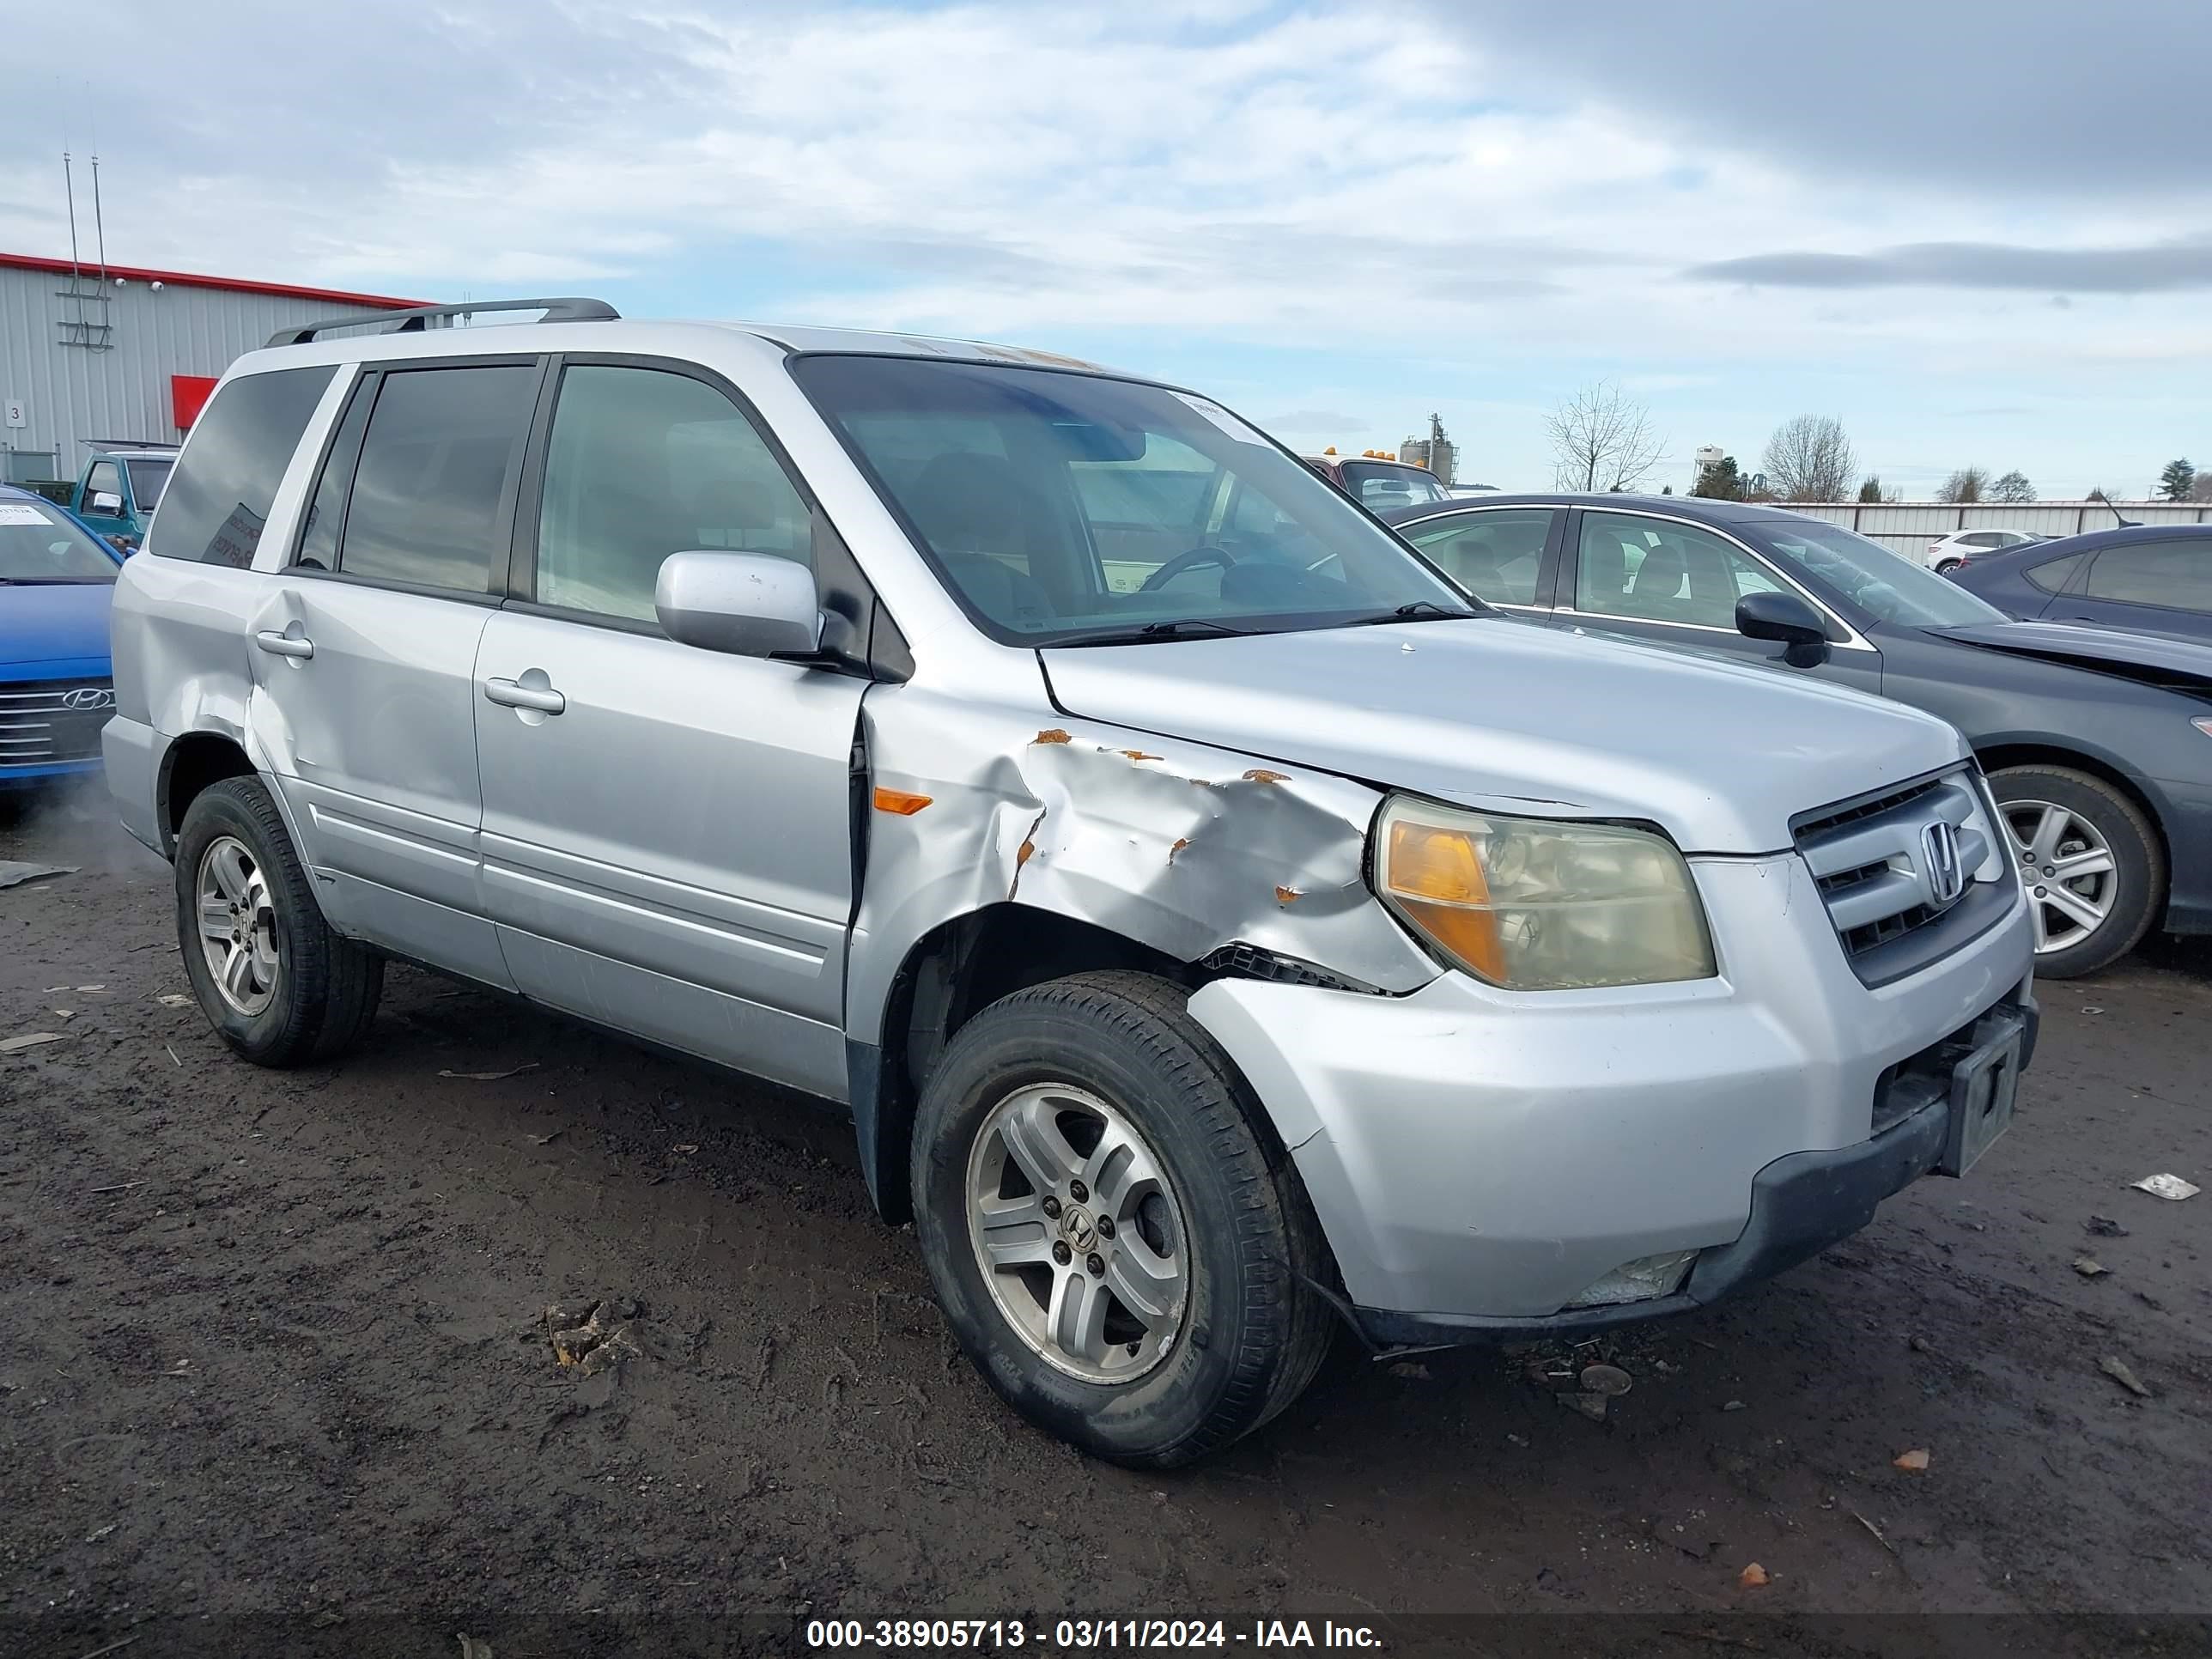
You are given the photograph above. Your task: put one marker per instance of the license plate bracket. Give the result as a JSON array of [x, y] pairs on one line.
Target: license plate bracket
[[1984, 1087]]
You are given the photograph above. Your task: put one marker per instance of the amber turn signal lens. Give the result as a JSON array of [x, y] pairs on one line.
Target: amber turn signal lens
[[1436, 875], [901, 802]]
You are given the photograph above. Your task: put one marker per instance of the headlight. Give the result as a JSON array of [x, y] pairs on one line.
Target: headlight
[[1535, 904]]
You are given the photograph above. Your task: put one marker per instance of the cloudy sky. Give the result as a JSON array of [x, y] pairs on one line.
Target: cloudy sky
[[1978, 232]]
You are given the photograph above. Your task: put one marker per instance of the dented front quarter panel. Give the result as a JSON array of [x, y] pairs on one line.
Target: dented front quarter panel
[[1180, 846]]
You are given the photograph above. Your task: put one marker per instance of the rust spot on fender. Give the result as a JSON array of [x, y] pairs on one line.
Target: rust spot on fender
[[1262, 775], [1181, 843], [1138, 755], [1288, 895], [1052, 734], [1027, 852]]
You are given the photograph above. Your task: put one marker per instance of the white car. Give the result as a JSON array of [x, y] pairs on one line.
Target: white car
[[1949, 552]]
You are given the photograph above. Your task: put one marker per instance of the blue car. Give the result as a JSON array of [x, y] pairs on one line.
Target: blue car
[[2156, 577], [56, 578]]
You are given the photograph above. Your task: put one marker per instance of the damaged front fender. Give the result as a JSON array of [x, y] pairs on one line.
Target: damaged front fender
[[1179, 847]]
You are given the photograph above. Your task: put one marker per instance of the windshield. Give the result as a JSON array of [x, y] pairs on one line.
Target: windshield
[[1869, 574], [1376, 486], [147, 480], [1060, 506], [39, 545]]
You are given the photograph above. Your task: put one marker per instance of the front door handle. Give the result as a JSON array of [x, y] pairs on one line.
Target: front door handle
[[284, 645], [510, 694]]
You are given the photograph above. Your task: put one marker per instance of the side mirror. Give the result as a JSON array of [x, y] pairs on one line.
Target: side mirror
[[745, 604], [1787, 617], [105, 500]]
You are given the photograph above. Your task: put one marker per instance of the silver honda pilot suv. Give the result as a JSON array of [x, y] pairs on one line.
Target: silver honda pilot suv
[[1218, 927]]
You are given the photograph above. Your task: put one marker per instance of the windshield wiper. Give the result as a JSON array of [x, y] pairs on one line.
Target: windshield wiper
[[1418, 610], [1175, 628]]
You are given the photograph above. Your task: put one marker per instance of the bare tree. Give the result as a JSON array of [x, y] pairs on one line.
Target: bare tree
[[2012, 489], [1968, 485], [2201, 489], [1602, 439], [1808, 458]]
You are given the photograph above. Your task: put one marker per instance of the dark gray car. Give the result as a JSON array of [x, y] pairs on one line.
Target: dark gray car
[[2152, 576], [2097, 743]]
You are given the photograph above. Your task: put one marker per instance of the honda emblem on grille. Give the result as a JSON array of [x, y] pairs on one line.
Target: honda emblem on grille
[[1939, 847], [89, 696]]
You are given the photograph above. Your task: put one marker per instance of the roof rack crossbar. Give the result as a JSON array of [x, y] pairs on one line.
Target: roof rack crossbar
[[417, 318]]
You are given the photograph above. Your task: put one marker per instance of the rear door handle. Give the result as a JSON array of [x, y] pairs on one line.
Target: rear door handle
[[510, 694], [284, 645]]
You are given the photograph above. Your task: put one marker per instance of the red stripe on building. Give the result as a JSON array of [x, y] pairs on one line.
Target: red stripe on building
[[188, 279]]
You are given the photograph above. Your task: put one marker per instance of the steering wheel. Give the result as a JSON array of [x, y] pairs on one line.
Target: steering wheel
[[1197, 559]]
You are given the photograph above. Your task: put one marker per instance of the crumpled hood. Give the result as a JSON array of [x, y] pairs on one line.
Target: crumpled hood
[[1495, 714], [53, 623], [2133, 654]]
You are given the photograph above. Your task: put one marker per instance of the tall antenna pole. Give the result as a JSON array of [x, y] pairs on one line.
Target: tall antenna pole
[[68, 189], [99, 228]]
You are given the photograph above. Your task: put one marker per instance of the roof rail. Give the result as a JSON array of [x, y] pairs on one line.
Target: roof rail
[[417, 318]]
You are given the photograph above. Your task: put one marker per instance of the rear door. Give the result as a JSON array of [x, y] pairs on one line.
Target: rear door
[[1670, 582], [365, 650], [668, 831], [1507, 557], [2164, 585]]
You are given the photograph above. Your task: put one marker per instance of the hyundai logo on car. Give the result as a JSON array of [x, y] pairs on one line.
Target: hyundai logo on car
[[89, 696]]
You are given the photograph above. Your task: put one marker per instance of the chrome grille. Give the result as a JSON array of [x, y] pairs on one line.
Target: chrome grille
[[1876, 863], [53, 721]]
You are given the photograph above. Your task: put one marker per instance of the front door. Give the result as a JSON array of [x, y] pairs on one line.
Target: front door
[[366, 650], [1670, 582], [668, 831]]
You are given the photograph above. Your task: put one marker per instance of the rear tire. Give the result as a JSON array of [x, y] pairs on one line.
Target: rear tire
[[276, 982], [1221, 1332], [1945, 566], [2070, 820]]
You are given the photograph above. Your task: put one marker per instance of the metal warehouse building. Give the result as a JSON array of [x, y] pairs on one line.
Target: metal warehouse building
[[119, 353]]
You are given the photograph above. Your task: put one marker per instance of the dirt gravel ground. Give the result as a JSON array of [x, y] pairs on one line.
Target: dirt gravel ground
[[274, 1369]]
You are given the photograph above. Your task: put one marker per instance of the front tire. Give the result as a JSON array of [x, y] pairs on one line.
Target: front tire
[[276, 982], [1116, 1241], [2093, 868]]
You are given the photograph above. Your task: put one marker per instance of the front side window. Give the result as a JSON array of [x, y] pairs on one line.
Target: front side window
[[1657, 570], [1496, 556], [1870, 576], [2176, 574], [643, 464], [1060, 506], [41, 548], [433, 494], [222, 487], [106, 479]]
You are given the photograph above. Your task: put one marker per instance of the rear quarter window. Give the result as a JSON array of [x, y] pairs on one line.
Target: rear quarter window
[[2053, 575], [219, 496]]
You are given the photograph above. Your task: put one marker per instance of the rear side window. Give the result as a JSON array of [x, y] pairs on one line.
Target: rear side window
[[433, 501], [2176, 574], [2053, 575], [219, 497]]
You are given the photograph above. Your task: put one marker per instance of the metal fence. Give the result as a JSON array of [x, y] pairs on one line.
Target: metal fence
[[1907, 527]]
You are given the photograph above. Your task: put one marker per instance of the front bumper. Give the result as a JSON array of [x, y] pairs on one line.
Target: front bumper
[[1480, 1158], [45, 775]]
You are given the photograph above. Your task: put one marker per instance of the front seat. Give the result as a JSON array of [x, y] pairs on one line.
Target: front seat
[[985, 527], [1656, 591]]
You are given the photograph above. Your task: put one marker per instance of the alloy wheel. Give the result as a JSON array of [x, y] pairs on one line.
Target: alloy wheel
[[2067, 867], [1078, 1233], [237, 926]]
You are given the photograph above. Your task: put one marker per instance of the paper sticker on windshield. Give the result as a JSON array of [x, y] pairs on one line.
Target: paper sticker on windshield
[[1221, 417], [18, 513]]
